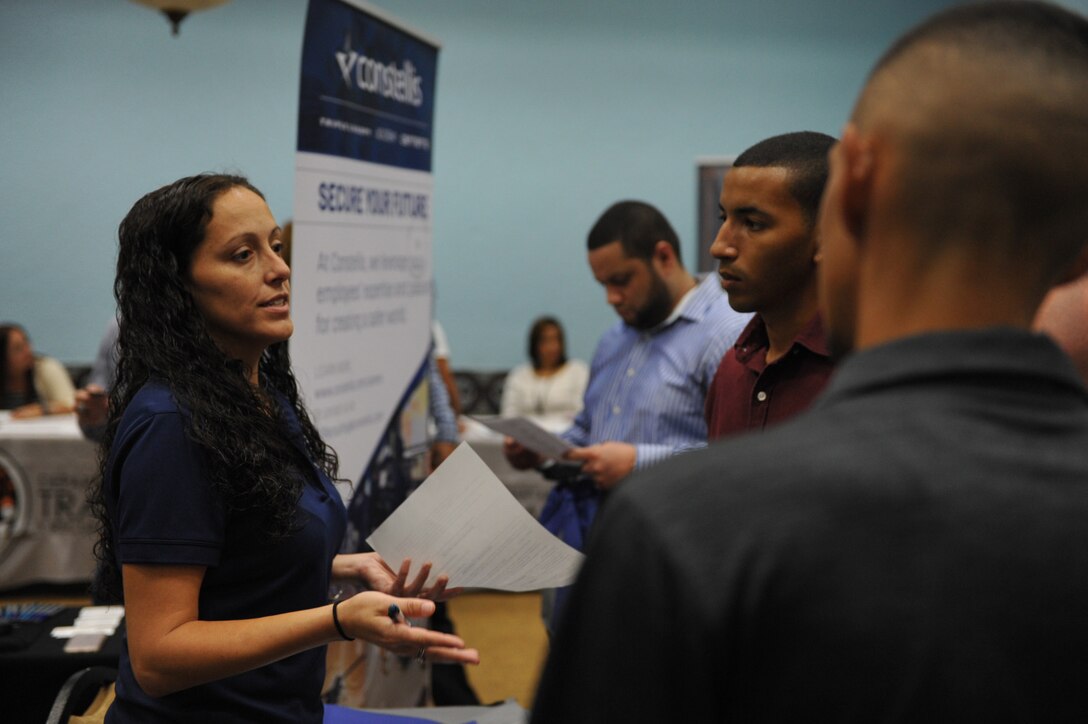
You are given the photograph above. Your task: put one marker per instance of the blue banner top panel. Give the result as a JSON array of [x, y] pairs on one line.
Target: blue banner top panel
[[367, 88]]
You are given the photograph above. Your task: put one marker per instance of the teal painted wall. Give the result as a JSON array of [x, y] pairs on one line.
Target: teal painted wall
[[547, 112]]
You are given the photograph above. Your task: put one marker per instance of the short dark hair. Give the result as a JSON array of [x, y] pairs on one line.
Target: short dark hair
[[637, 225], [1000, 167], [804, 155], [536, 331], [1015, 25]]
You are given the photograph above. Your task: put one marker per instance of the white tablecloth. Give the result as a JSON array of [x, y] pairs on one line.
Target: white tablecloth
[[49, 535]]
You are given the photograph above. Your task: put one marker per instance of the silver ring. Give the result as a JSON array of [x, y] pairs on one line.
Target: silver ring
[[422, 655]]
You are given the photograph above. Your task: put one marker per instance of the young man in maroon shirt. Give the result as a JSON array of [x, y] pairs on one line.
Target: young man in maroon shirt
[[767, 252]]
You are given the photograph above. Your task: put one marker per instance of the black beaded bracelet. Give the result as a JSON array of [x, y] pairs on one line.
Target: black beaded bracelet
[[336, 622]]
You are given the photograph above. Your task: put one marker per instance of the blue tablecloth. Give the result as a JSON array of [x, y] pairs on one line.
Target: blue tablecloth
[[509, 712]]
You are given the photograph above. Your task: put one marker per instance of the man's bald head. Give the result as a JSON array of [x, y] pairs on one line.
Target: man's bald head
[[986, 108]]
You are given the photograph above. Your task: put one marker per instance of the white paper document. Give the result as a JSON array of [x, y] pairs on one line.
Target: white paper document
[[529, 434], [464, 521]]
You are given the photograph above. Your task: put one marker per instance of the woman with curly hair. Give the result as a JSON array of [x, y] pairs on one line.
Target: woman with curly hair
[[219, 523]]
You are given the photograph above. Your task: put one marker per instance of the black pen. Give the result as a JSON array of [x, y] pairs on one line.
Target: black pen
[[396, 615]]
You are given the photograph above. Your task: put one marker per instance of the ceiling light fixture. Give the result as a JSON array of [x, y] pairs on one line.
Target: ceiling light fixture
[[176, 10]]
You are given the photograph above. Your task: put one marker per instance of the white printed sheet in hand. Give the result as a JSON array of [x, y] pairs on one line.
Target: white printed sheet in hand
[[464, 521], [529, 434]]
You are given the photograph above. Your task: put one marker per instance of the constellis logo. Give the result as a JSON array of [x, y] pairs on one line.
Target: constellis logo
[[387, 80], [347, 63]]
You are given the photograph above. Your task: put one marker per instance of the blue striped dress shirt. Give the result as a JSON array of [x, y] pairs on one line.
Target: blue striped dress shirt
[[648, 387]]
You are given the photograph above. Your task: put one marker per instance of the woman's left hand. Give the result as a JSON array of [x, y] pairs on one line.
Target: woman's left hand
[[378, 576]]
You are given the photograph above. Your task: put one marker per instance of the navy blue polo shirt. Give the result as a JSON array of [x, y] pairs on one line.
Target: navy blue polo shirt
[[164, 511]]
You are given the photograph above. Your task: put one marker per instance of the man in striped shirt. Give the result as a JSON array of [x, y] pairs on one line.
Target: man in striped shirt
[[651, 370]]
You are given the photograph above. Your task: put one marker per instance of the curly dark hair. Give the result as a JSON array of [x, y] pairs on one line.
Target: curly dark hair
[[248, 458]]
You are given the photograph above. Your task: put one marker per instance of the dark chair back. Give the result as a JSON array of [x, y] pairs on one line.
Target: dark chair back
[[79, 691]]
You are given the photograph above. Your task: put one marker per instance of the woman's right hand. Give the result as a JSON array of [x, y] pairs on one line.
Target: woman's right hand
[[366, 615]]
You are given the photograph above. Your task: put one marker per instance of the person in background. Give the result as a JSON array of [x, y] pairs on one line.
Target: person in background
[[219, 524], [442, 364], [552, 384], [444, 403], [913, 546], [92, 403], [767, 250], [31, 385], [650, 373]]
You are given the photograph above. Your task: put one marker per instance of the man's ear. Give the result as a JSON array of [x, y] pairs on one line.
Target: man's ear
[[859, 166], [664, 254]]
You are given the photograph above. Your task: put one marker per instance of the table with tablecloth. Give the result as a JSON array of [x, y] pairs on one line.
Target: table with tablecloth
[[47, 533]]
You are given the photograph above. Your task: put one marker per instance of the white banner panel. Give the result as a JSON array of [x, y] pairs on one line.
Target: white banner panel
[[361, 257]]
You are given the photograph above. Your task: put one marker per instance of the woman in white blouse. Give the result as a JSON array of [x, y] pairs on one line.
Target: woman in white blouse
[[552, 384], [31, 385]]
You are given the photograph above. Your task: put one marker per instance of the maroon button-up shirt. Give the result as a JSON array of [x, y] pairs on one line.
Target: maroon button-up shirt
[[749, 394]]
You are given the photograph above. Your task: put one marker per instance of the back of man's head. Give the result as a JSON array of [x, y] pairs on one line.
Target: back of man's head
[[638, 227], [804, 155], [986, 107]]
